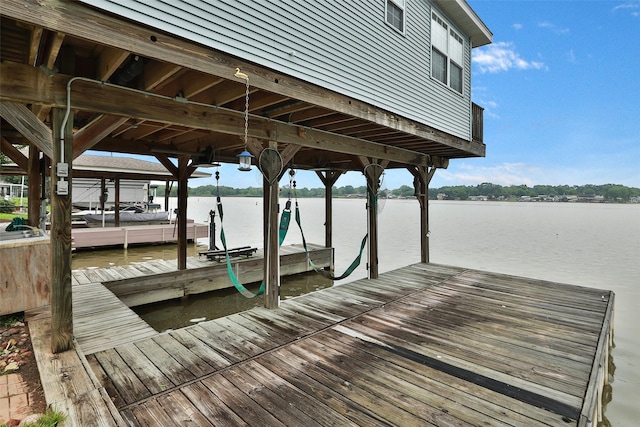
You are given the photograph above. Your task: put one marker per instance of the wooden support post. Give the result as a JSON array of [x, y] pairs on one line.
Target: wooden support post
[[373, 171], [33, 173], [181, 217], [270, 195], [421, 177], [116, 213], [328, 178], [372, 211], [272, 249], [61, 303], [271, 210], [103, 195], [167, 192]]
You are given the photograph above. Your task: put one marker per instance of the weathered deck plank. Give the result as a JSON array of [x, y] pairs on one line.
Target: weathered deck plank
[[157, 280], [101, 320], [69, 383], [422, 345]]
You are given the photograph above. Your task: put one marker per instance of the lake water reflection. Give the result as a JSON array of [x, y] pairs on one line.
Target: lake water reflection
[[583, 244]]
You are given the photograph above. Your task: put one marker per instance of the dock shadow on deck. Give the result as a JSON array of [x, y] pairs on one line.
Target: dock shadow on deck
[[421, 345]]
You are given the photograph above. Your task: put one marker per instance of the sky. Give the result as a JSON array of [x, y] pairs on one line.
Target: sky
[[560, 85]]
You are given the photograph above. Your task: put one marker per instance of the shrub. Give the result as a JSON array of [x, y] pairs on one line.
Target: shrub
[[6, 206]]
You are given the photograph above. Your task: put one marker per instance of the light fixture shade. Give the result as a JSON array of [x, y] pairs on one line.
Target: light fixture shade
[[244, 161], [204, 159]]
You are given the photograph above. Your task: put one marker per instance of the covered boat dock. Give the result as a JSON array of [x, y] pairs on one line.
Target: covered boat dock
[[421, 345]]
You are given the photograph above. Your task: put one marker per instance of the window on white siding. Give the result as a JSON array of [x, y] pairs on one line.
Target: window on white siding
[[395, 14], [447, 53]]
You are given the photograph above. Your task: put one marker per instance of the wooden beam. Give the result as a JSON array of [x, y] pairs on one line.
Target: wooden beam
[[119, 101], [40, 111], [173, 169], [25, 122], [287, 155], [198, 82], [52, 50], [109, 61], [80, 21], [292, 106], [14, 154], [94, 132], [309, 114], [61, 304], [156, 73], [255, 147], [34, 45]]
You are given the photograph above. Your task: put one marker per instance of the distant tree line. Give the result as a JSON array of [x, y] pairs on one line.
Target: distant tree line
[[609, 192]]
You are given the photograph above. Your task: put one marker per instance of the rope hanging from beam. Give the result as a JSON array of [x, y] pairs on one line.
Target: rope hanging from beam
[[354, 264]]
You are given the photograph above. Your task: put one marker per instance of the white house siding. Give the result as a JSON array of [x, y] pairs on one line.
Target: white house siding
[[344, 46]]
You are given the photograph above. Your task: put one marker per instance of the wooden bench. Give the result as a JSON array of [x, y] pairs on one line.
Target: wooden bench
[[219, 255]]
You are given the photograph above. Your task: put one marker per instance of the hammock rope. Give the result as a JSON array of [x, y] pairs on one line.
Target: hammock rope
[[285, 219], [327, 274]]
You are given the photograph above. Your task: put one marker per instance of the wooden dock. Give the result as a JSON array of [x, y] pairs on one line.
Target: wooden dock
[[134, 235], [159, 280], [102, 320], [421, 345]]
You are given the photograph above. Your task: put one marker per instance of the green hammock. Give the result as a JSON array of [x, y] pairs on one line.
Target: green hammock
[[282, 233], [321, 271]]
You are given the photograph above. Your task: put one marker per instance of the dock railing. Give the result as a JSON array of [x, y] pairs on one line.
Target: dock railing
[[477, 117]]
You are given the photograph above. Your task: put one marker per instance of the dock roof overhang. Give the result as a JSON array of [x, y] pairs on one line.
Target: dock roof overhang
[[98, 167], [184, 97]]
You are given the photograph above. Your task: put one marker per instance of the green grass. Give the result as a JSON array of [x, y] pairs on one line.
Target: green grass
[[8, 217], [50, 418]]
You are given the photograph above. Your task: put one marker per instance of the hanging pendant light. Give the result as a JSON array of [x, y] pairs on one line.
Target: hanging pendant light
[[244, 158], [244, 161]]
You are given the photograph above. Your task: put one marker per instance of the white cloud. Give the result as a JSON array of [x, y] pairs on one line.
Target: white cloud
[[517, 26], [506, 174], [501, 56], [571, 56], [632, 8], [503, 174], [554, 28]]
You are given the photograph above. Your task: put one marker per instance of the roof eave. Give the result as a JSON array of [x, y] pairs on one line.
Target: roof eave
[[468, 20]]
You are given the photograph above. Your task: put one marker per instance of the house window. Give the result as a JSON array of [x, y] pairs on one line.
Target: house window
[[447, 53], [395, 14]]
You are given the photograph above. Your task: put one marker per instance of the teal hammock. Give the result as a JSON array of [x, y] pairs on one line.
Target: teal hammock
[[285, 218], [320, 270]]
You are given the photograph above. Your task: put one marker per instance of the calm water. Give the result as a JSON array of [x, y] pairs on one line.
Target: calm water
[[590, 245]]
